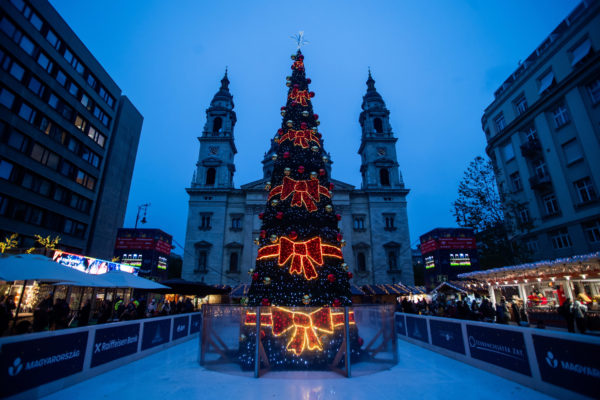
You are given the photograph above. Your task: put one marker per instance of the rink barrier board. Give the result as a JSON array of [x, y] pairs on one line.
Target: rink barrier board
[[560, 364], [37, 364]]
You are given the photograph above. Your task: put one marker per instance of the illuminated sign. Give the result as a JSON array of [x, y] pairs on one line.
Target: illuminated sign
[[91, 265], [162, 262], [429, 262], [460, 260]]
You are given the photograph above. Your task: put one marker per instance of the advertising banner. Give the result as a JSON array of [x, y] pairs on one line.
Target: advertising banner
[[113, 343], [30, 363], [196, 323], [416, 328], [156, 333], [400, 324], [447, 335], [504, 348], [572, 365], [180, 327]]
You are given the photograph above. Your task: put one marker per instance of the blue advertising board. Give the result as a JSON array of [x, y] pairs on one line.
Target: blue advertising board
[[180, 327], [416, 328], [156, 333], [400, 324], [501, 347], [115, 342], [196, 323], [30, 363], [447, 335], [572, 365]]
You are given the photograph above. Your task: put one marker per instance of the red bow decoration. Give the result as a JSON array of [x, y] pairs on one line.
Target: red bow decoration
[[305, 255], [300, 137], [305, 192], [300, 96], [305, 325], [298, 64]]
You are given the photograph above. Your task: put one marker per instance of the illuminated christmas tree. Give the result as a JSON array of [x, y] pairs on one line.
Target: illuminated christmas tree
[[299, 260]]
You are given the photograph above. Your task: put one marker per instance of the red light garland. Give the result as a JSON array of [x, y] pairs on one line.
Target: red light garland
[[300, 137], [305, 192], [305, 255]]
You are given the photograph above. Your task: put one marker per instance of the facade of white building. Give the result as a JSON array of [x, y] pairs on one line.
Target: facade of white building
[[223, 220]]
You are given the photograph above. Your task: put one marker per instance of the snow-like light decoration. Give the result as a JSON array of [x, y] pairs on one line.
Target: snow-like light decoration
[[305, 325], [305, 192], [305, 255]]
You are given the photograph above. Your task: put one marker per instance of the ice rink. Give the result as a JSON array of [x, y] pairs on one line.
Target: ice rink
[[175, 373]]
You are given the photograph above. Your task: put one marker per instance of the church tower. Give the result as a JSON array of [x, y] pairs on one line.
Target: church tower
[[387, 250], [215, 165], [379, 165]]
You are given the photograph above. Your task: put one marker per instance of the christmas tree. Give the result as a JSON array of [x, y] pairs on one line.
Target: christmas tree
[[299, 260]]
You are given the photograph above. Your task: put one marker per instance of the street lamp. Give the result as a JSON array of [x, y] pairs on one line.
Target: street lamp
[[140, 208]]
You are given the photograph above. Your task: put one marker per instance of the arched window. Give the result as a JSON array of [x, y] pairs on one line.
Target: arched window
[[362, 262], [211, 174], [233, 262], [378, 125], [217, 125], [392, 260], [384, 177]]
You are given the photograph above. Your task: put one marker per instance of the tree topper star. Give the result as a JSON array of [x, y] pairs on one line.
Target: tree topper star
[[299, 39]]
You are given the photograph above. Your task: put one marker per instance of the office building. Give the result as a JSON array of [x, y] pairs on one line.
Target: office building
[[543, 135], [68, 137]]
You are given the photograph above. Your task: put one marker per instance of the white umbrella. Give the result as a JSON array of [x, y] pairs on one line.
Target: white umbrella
[[120, 279], [27, 267]]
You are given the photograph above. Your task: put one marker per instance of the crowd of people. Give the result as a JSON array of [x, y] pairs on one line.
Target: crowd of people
[[471, 308], [49, 315], [480, 308]]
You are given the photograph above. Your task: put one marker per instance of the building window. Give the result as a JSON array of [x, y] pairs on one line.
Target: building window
[[5, 169], [61, 78], [500, 122], [233, 262], [378, 125], [524, 216], [358, 223], [236, 222], [205, 222], [539, 168], [392, 259], [572, 151], [389, 222], [550, 204], [546, 81], [532, 245], [211, 174], [515, 180], [592, 231], [17, 71], [580, 52], [508, 152], [560, 115], [361, 261], [384, 177], [531, 133], [561, 239], [594, 91], [585, 190], [217, 125], [6, 98], [202, 260], [520, 104]]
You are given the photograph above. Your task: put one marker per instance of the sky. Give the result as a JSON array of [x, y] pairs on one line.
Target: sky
[[436, 64]]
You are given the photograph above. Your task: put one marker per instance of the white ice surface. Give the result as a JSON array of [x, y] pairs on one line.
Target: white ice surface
[[175, 374]]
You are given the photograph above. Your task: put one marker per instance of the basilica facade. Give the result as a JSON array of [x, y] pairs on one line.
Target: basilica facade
[[223, 220]]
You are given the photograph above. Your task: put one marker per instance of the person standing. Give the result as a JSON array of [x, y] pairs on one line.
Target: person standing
[[502, 311], [579, 311], [84, 314], [565, 310]]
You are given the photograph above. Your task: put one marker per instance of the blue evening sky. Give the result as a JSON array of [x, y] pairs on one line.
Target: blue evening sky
[[436, 64]]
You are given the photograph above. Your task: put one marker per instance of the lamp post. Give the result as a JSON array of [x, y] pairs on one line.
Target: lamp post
[[140, 208]]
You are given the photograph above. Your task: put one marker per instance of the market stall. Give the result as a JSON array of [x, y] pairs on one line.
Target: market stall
[[543, 286]]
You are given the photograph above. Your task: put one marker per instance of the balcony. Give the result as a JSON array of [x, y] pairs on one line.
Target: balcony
[[531, 149], [540, 183]]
